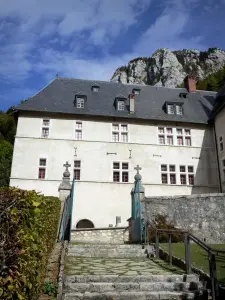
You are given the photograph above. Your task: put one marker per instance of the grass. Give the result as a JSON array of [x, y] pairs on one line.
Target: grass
[[199, 258]]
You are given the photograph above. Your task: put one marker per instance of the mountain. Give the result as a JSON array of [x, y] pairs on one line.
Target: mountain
[[169, 68]]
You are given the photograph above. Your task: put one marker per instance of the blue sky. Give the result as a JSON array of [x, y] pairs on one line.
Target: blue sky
[[91, 38]]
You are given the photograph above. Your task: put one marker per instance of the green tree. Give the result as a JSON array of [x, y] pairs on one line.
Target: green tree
[[6, 152], [7, 127]]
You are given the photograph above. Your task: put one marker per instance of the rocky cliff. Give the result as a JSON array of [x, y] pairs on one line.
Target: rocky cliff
[[169, 68]]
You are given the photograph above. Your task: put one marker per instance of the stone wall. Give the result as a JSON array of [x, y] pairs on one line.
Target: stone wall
[[203, 215], [113, 235]]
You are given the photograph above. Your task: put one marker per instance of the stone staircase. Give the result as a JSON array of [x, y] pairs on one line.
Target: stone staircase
[[104, 271]]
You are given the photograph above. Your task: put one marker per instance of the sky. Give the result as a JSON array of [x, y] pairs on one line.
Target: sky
[[90, 39]]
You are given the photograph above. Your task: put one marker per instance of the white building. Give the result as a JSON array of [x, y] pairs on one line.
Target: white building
[[104, 129]]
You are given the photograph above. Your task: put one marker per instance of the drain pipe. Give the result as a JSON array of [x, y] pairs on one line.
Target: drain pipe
[[217, 158]]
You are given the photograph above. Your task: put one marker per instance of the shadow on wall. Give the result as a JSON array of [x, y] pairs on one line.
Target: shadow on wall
[[206, 174], [85, 223]]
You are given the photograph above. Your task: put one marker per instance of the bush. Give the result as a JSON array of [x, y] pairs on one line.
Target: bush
[[161, 222], [28, 228]]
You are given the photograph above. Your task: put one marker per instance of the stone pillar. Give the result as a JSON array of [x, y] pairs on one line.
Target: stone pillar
[[64, 189]]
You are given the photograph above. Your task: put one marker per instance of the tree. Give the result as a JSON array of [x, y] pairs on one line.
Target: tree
[[6, 152], [7, 127]]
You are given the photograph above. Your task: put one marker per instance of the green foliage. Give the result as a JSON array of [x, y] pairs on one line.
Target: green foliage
[[7, 127], [6, 152], [161, 222], [28, 227], [49, 288]]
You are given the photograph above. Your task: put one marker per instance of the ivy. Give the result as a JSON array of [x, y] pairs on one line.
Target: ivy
[[28, 228]]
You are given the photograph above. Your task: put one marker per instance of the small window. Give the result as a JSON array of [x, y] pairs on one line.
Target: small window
[[187, 132], [164, 168], [180, 141], [120, 172], [124, 137], [120, 105], [188, 141], [46, 123], [169, 130], [172, 168], [123, 127], [77, 168], [182, 169], [95, 88], [169, 140], [173, 178], [179, 110], [136, 91], [190, 169], [116, 127], [42, 168], [170, 109], [78, 131], [183, 179], [80, 102], [120, 133], [191, 179], [179, 131], [161, 130], [115, 136], [45, 128], [45, 132], [161, 140], [164, 178]]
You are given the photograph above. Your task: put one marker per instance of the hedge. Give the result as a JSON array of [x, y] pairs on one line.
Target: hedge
[[28, 228]]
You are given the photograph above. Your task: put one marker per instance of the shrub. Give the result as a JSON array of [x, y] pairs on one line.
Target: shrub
[[161, 222], [28, 228]]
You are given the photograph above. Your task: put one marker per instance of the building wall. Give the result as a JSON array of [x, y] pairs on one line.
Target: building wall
[[97, 197], [220, 133], [203, 215]]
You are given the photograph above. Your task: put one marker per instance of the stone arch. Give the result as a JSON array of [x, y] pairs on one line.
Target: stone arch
[[85, 223]]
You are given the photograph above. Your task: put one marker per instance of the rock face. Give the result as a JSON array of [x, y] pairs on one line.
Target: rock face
[[169, 68]]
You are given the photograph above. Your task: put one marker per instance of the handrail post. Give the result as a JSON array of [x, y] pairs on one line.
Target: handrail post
[[187, 253], [148, 238], [170, 249], [157, 243], [212, 269]]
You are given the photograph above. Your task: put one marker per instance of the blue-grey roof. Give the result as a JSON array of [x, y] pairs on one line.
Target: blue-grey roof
[[219, 102], [58, 97]]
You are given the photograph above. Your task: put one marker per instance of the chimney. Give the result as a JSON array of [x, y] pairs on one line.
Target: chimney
[[190, 83], [131, 97]]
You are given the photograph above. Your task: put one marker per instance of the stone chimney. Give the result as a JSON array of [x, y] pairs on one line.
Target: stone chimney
[[131, 98], [190, 83]]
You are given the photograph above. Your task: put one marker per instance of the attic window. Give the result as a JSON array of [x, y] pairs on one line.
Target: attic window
[[80, 102], [95, 88], [174, 109], [120, 105], [183, 95], [136, 91]]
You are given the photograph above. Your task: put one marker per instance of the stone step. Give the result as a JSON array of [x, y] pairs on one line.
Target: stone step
[[107, 246], [102, 287], [127, 278], [107, 255], [131, 295], [106, 252]]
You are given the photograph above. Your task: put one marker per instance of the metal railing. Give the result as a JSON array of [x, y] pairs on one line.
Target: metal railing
[[188, 237]]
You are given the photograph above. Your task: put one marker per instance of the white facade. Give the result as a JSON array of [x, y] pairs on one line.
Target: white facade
[[220, 134], [96, 196]]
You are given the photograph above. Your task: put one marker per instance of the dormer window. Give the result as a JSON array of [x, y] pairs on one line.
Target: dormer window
[[170, 109], [80, 102], [183, 95], [120, 105], [95, 88], [179, 110], [174, 108], [136, 91]]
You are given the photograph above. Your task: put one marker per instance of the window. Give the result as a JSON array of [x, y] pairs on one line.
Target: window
[[183, 179], [45, 128], [136, 91], [179, 110], [187, 175], [180, 141], [174, 136], [182, 169], [120, 133], [168, 172], [221, 144], [170, 109], [120, 172], [42, 168], [95, 88], [174, 108], [165, 136], [80, 102], [120, 105], [78, 131], [77, 167]]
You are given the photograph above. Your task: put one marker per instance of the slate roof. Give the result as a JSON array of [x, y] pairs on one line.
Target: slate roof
[[219, 102], [59, 95]]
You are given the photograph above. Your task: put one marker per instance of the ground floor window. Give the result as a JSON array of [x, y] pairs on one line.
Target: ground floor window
[[85, 223], [120, 172]]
